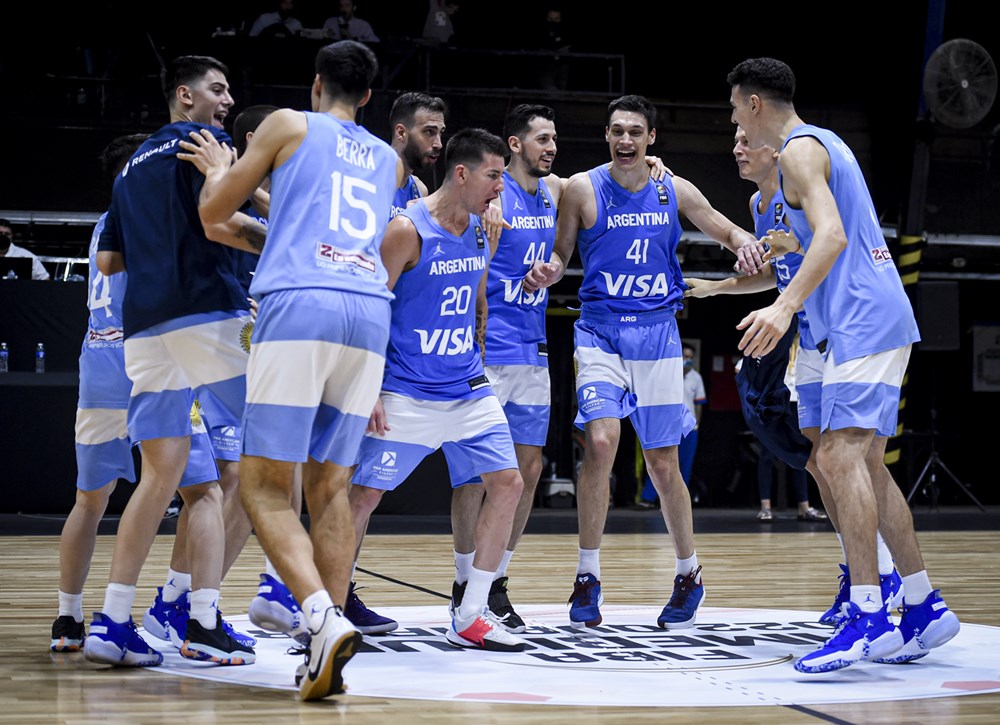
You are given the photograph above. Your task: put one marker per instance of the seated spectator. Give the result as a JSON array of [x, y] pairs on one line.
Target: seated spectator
[[438, 27], [277, 24], [9, 249], [347, 26]]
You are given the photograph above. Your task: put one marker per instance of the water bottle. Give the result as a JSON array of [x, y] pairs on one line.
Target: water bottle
[[40, 358], [4, 357]]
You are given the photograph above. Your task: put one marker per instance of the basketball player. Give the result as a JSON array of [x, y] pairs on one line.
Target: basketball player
[[319, 341], [434, 392], [182, 312], [628, 349], [861, 316]]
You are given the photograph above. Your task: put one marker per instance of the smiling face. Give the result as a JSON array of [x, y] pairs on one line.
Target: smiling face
[[754, 163], [537, 150], [628, 135], [207, 100]]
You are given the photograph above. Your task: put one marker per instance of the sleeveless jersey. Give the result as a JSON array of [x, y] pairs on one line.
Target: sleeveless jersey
[[630, 254], [515, 324], [861, 306], [787, 265], [174, 270], [432, 352], [330, 203], [409, 192]]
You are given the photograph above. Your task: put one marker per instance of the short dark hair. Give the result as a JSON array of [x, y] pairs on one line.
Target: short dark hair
[[404, 108], [766, 77], [347, 69], [470, 145], [5, 223], [116, 154], [518, 120], [248, 120], [637, 104], [186, 69]]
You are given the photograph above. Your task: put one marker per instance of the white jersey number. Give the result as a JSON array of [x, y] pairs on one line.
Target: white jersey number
[[456, 300], [345, 190]]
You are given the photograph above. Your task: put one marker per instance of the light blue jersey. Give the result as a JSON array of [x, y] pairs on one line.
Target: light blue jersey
[[860, 308], [334, 244], [432, 353], [630, 254], [515, 325], [404, 195], [786, 265], [103, 383]]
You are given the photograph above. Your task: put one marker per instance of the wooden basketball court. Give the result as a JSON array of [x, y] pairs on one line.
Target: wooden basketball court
[[781, 569]]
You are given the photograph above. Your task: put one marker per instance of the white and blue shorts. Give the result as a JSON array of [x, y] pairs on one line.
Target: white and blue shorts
[[103, 445], [631, 366], [809, 365], [225, 432], [525, 393], [864, 392], [473, 433], [170, 363], [316, 362]]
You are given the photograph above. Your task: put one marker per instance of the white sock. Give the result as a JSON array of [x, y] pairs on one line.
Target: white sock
[[71, 605], [271, 571], [843, 552], [118, 599], [177, 583], [885, 563], [589, 562], [504, 563], [463, 566], [205, 607], [315, 607], [477, 591], [916, 588], [868, 598], [683, 567]]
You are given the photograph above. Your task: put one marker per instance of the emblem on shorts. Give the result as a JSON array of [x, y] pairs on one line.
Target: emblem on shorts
[[245, 333], [589, 393], [388, 458]]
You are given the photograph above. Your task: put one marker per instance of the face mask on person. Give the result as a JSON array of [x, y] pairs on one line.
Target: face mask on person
[[689, 364], [5, 242]]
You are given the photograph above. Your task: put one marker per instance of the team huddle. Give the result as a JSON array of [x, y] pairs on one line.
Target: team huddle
[[289, 320]]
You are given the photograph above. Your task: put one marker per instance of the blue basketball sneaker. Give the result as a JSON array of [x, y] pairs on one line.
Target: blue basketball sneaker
[[924, 626], [892, 595], [118, 644], [680, 611], [156, 618], [364, 619], [862, 635], [892, 590], [585, 602], [833, 615], [274, 609]]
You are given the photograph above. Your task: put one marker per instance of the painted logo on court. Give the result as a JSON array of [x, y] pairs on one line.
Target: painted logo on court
[[735, 657]]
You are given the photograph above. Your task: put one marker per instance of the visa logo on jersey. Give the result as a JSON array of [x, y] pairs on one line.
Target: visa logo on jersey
[[636, 285], [513, 291], [446, 342]]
